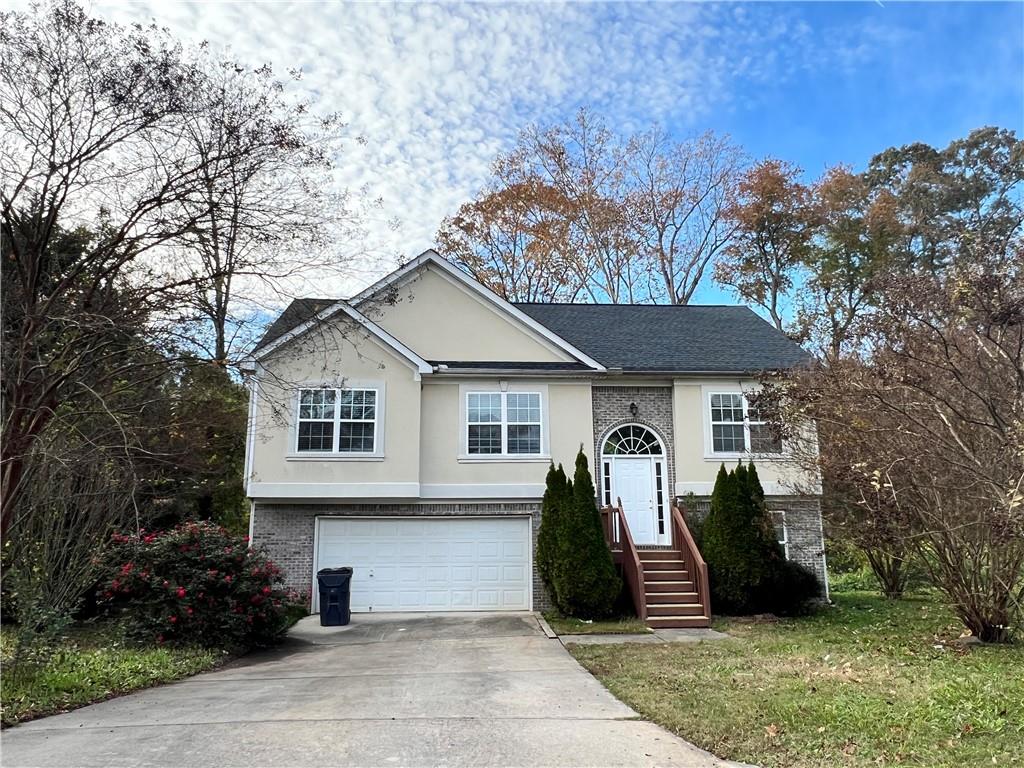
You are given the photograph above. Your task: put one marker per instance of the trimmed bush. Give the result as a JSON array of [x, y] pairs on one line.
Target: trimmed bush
[[586, 583], [747, 566], [547, 536], [198, 584]]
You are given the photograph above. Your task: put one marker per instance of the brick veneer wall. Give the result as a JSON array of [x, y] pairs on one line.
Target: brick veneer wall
[[654, 409], [803, 528], [286, 532]]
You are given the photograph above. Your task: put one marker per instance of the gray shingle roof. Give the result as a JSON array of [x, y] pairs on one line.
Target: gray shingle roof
[[635, 337], [294, 315], [657, 337]]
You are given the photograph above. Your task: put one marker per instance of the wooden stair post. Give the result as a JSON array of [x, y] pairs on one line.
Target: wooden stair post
[[669, 585]]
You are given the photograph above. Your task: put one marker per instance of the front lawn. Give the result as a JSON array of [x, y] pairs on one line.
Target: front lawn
[[865, 683], [627, 625], [92, 665]]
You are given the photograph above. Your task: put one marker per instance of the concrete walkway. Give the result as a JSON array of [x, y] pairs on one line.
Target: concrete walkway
[[651, 638], [427, 689]]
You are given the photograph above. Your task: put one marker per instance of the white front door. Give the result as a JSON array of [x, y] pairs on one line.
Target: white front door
[[633, 481]]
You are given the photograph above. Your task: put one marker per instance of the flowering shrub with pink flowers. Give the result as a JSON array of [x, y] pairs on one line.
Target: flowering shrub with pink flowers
[[197, 584]]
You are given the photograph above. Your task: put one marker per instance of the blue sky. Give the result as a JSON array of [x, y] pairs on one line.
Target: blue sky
[[436, 90]]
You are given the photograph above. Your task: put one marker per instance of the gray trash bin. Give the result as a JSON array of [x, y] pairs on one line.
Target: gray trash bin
[[334, 596]]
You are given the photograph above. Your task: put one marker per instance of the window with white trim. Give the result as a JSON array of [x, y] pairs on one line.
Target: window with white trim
[[738, 427], [503, 423], [342, 421], [781, 531]]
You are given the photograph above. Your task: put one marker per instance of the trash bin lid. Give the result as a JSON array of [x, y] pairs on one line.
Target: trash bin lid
[[344, 570]]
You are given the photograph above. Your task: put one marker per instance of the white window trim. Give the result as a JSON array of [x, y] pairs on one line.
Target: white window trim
[[377, 454], [709, 443], [503, 388], [785, 529]]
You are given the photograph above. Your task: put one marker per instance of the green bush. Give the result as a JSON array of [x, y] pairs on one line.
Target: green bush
[[792, 590], [195, 584], [555, 492], [586, 583], [747, 566]]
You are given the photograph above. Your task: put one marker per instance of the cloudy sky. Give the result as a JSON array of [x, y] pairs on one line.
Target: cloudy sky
[[438, 89]]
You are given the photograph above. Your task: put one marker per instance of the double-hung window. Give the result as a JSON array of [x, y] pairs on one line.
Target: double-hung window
[[781, 532], [341, 421], [503, 423], [738, 427]]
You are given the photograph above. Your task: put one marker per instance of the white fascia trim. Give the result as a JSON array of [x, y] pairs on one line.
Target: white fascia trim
[[334, 490], [771, 488], [482, 490], [250, 426], [417, 362], [432, 257]]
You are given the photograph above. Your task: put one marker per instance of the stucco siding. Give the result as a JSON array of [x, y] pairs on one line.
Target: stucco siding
[[444, 321], [568, 424], [336, 354], [696, 464]]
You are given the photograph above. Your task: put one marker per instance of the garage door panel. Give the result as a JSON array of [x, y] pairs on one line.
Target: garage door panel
[[407, 564], [487, 574]]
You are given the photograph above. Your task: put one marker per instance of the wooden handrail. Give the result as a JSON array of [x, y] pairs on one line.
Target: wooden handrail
[[624, 552], [698, 568]]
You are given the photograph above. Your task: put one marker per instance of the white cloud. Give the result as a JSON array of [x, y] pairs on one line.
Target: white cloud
[[438, 90]]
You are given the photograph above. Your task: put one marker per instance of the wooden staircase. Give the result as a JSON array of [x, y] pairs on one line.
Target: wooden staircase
[[670, 594], [669, 585]]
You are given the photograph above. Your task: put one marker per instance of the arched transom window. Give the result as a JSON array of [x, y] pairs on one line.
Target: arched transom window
[[632, 440]]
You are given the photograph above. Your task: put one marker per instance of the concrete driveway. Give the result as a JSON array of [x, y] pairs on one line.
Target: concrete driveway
[[427, 689]]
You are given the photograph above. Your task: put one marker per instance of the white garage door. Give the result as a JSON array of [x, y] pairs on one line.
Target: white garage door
[[432, 564]]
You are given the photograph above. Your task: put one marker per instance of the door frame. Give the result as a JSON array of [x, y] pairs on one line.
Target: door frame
[[658, 462], [314, 592]]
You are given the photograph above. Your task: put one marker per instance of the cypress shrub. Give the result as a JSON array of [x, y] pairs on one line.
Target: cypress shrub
[[547, 536], [586, 583], [747, 566]]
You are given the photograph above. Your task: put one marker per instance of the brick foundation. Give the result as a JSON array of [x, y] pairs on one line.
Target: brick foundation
[[285, 531]]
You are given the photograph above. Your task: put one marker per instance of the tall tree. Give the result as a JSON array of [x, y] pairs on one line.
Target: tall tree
[[267, 211], [856, 239], [576, 211], [957, 204], [924, 423], [508, 239], [138, 184], [676, 206], [774, 220]]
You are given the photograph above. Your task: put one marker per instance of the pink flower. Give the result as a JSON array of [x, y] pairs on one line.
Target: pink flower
[[173, 619], [181, 591]]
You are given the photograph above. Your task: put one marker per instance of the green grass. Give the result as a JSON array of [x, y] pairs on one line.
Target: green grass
[[865, 683], [91, 665], [626, 625]]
